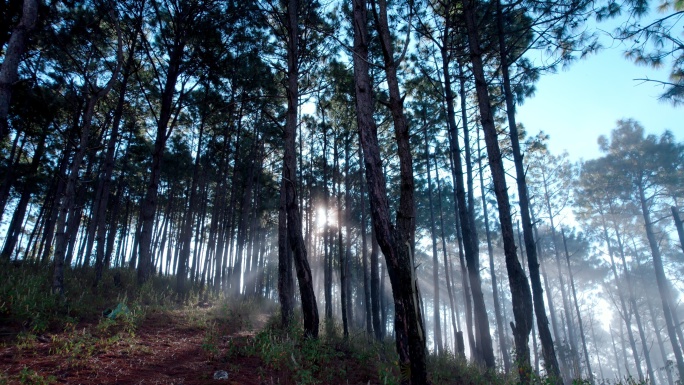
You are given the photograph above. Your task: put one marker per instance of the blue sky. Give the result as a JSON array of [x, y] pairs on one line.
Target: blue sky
[[576, 105]]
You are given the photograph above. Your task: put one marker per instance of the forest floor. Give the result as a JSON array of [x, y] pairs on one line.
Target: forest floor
[[165, 346]]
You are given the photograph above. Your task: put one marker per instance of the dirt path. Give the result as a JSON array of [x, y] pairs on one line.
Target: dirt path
[[166, 348]]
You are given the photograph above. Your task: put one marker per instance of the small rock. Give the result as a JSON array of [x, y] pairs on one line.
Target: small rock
[[220, 375]]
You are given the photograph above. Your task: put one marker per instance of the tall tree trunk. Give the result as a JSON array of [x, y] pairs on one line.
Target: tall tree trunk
[[10, 172], [635, 308], [245, 206], [148, 205], [503, 346], [548, 349], [661, 344], [108, 169], [294, 221], [615, 351], [376, 293], [459, 349], [337, 191], [624, 350], [27, 189], [189, 218], [549, 294], [66, 209], [484, 346], [520, 289], [626, 314], [661, 280], [572, 339], [285, 281], [482, 343], [465, 281], [348, 270], [367, 280], [577, 310], [13, 53], [397, 242], [596, 349], [437, 331]]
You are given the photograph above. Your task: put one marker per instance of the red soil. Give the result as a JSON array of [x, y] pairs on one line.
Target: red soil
[[166, 348]]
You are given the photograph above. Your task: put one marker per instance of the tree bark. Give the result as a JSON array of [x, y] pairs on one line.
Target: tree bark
[[626, 314], [337, 191], [148, 205], [437, 331], [396, 242], [9, 67], [27, 189], [458, 345], [285, 280], [661, 280], [367, 280], [577, 310], [483, 351], [294, 221], [520, 289], [189, 217], [503, 346], [465, 281], [548, 349]]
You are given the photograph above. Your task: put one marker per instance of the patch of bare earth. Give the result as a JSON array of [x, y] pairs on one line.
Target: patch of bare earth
[[166, 348]]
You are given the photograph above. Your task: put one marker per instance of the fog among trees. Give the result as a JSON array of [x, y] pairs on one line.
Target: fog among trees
[[360, 164]]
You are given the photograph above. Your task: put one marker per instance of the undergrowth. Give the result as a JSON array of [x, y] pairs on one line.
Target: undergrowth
[[27, 304], [28, 310]]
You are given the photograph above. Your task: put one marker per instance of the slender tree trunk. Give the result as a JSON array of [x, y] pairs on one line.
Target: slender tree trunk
[[67, 207], [624, 351], [661, 345], [520, 289], [10, 64], [368, 277], [503, 346], [547, 289], [465, 280], [397, 242], [376, 293], [635, 308], [484, 346], [27, 189], [626, 314], [661, 280], [437, 331], [577, 310], [615, 351], [596, 349], [337, 191], [535, 346], [188, 220], [285, 280], [548, 349], [564, 296], [294, 221], [148, 205], [12, 162], [348, 268], [108, 169], [458, 345], [241, 254], [482, 343]]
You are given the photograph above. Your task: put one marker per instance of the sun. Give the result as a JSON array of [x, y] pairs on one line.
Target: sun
[[321, 220]]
